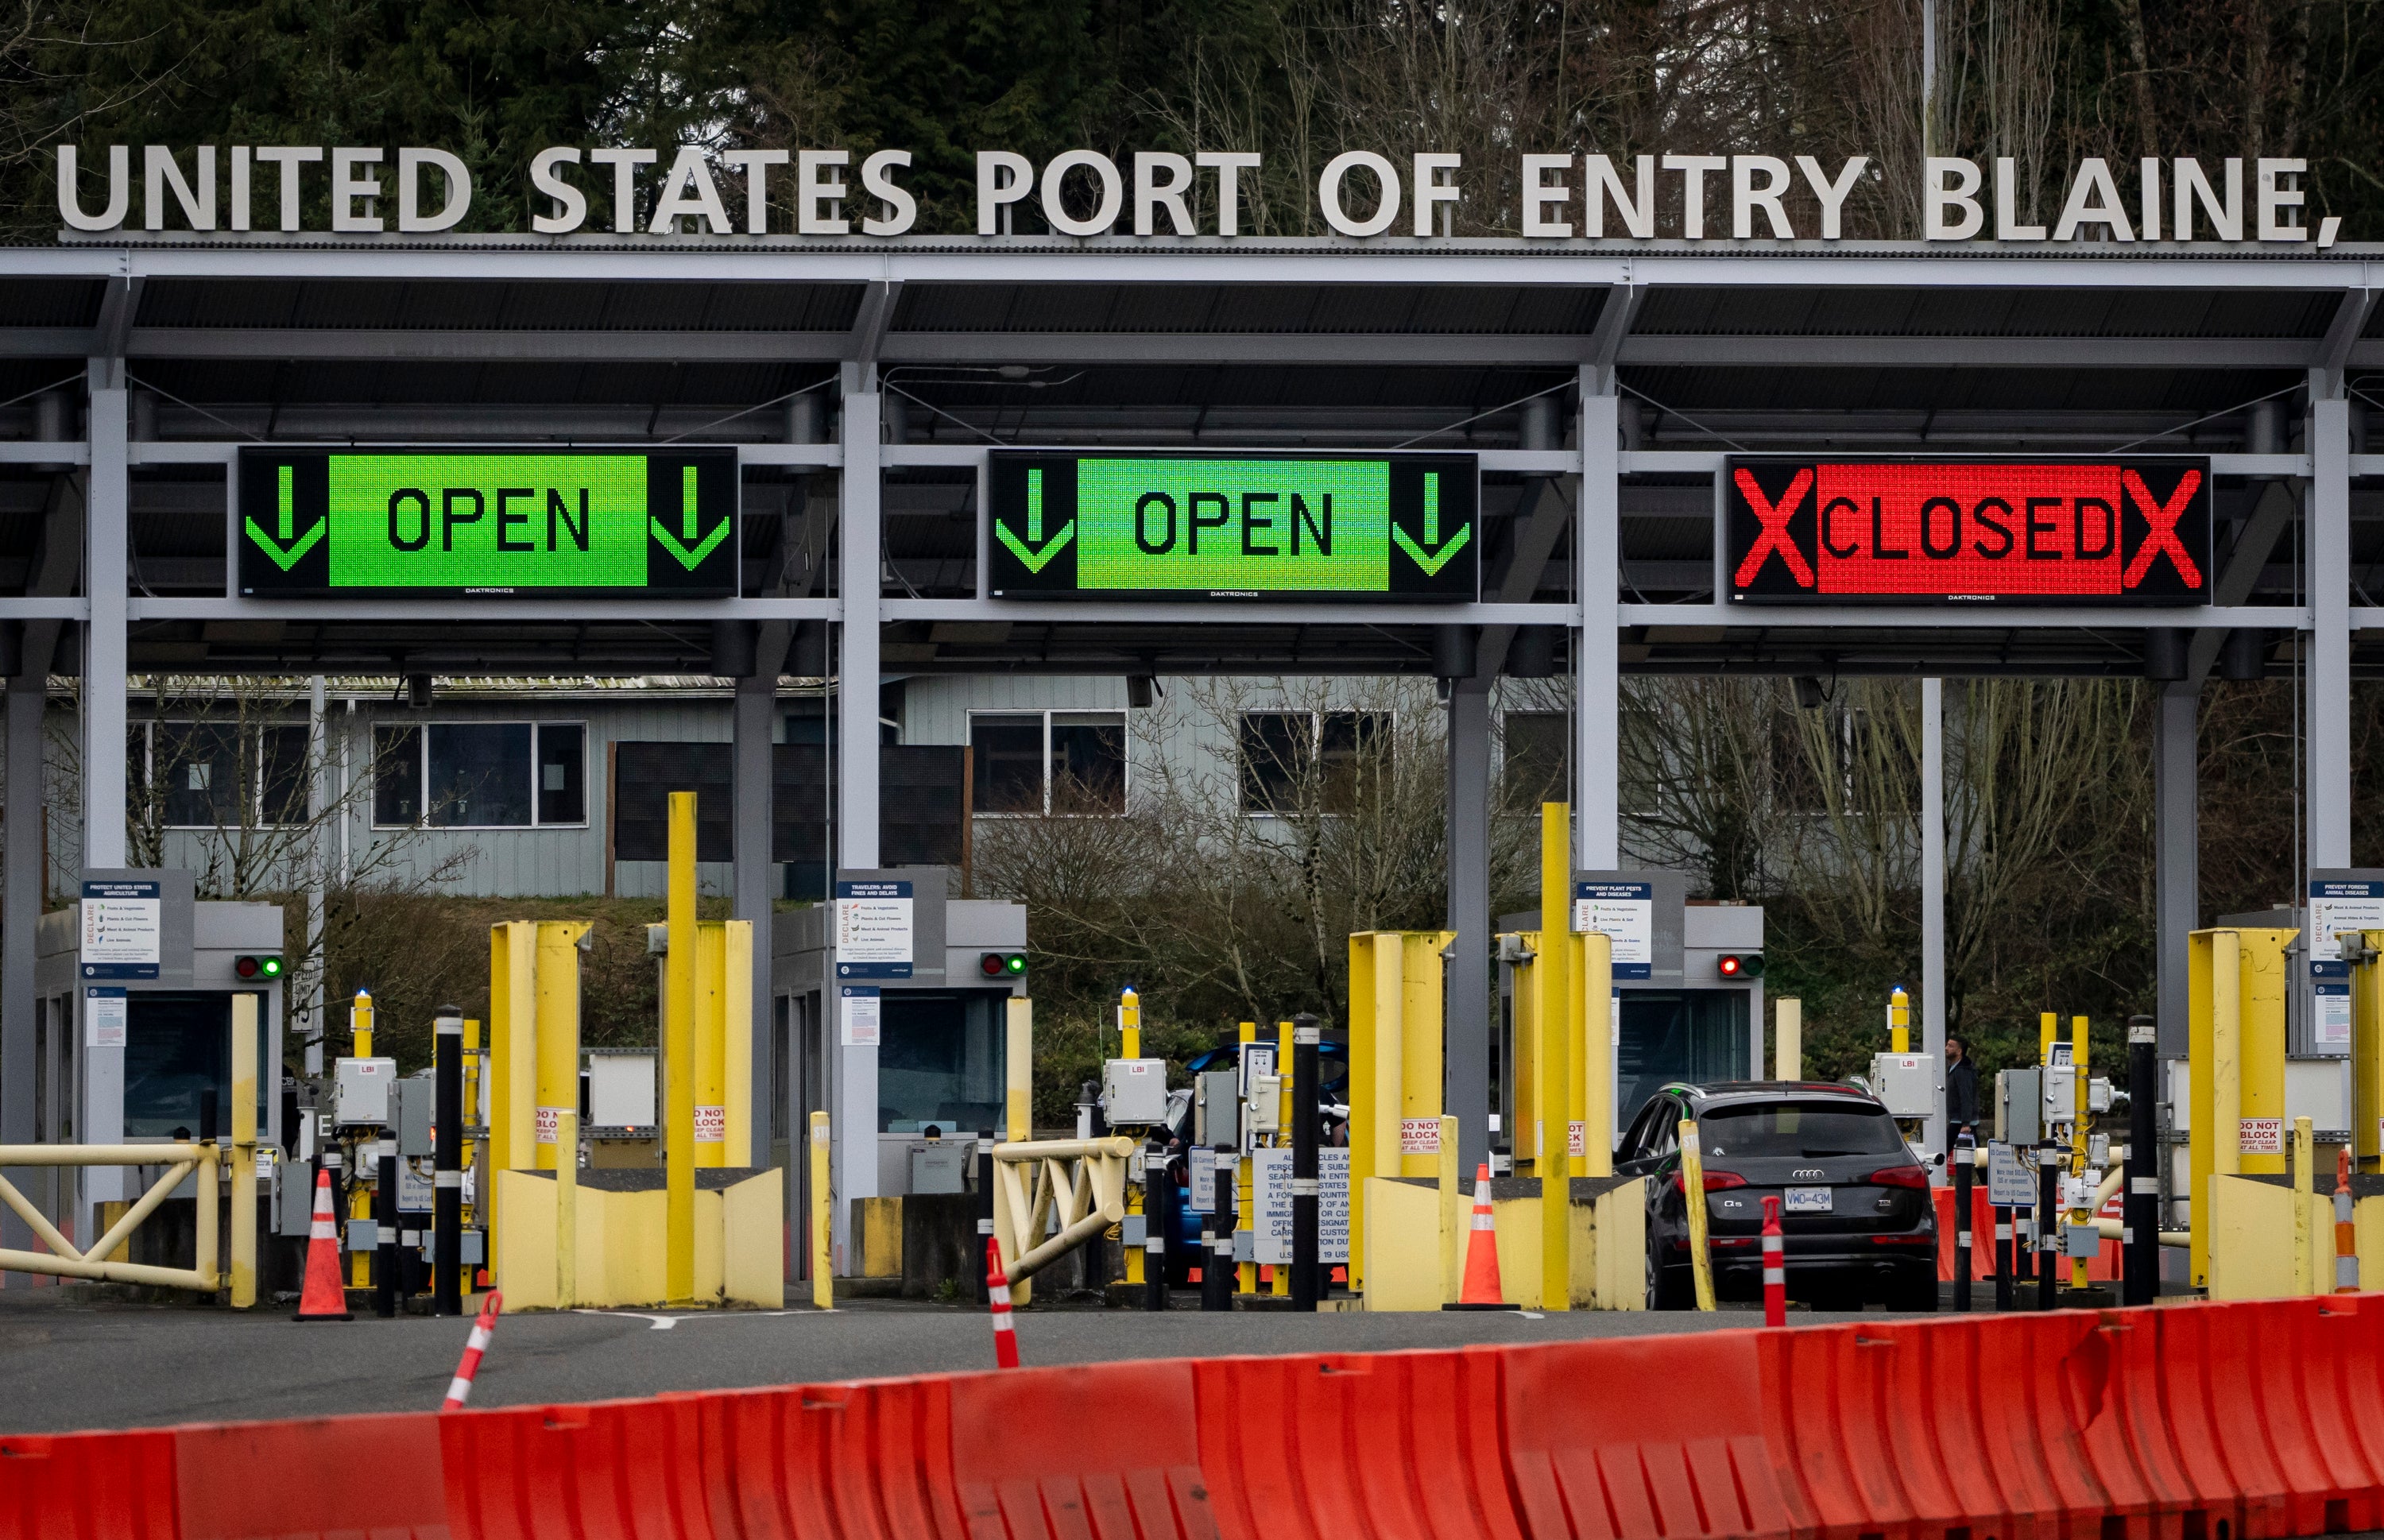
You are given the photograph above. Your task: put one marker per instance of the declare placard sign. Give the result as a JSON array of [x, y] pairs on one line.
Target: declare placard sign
[[875, 929], [1385, 526], [123, 929], [1625, 913], [554, 523], [2134, 530]]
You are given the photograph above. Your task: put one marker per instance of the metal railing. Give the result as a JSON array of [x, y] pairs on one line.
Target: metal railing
[[1083, 1179]]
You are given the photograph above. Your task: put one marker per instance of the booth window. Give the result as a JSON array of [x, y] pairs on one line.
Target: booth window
[[1668, 1035], [940, 1061], [1292, 760], [1048, 761], [221, 775], [480, 775], [176, 1046]]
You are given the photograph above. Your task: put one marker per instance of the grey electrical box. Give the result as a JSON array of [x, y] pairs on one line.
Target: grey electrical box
[[1905, 1082], [294, 1215], [412, 1102], [1134, 1091], [939, 1165], [362, 1092], [2060, 1093], [1216, 1108], [2020, 1106]]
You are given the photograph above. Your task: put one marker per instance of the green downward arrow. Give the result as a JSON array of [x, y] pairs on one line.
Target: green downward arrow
[[1034, 552], [689, 550], [1426, 556], [285, 556]]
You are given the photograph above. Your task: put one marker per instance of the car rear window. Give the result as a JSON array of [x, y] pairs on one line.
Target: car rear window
[[1799, 1130]]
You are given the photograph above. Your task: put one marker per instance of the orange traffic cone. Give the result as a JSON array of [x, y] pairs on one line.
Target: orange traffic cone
[[325, 1300], [1481, 1290]]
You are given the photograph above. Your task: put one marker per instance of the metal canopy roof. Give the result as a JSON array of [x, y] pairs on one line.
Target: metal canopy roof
[[1267, 344]]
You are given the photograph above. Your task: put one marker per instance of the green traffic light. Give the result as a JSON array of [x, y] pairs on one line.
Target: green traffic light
[[1015, 963], [270, 967]]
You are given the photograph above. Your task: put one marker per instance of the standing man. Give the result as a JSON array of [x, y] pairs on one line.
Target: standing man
[[1961, 1090]]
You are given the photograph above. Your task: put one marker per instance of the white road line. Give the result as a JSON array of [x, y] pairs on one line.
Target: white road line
[[668, 1322]]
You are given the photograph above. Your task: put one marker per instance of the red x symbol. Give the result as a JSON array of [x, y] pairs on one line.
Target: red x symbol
[[1774, 516], [2163, 518]]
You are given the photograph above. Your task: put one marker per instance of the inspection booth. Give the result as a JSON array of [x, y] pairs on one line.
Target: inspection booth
[[134, 1028], [907, 1053], [1688, 987]]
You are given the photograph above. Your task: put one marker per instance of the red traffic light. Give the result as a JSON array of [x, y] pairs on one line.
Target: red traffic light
[[1731, 965]]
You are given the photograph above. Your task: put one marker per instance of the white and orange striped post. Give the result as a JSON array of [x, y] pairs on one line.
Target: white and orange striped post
[[2346, 1238], [1775, 1268], [997, 1293], [484, 1327]]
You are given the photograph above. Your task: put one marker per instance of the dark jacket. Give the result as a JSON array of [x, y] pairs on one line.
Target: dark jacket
[[1961, 1095]]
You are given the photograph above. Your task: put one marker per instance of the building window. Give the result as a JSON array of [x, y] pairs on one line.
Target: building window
[[480, 775], [1535, 755], [1289, 756], [218, 775], [1048, 761]]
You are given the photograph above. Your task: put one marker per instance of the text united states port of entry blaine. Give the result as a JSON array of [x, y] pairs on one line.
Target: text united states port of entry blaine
[[1390, 527], [543, 523], [2128, 530]]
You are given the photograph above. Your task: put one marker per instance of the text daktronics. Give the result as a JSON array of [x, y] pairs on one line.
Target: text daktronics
[[1564, 197]]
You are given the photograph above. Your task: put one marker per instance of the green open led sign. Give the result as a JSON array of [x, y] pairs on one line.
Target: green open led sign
[[541, 522], [1389, 526]]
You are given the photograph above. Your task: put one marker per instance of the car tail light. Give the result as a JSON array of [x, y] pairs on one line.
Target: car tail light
[[1900, 1177], [1715, 1181]]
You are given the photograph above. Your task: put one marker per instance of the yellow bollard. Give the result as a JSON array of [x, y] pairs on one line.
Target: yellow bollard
[[1245, 1275], [1693, 1195], [1018, 1106], [2304, 1183], [1282, 1121], [243, 1151], [2080, 1118], [1453, 1231], [1552, 1078], [566, 1212], [2214, 1086], [2262, 1056], [1899, 1020], [1788, 1039], [1129, 1024], [360, 1203], [710, 1048], [678, 1056], [554, 1050], [823, 1218]]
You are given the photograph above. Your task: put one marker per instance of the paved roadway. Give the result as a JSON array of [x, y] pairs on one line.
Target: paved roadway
[[75, 1365]]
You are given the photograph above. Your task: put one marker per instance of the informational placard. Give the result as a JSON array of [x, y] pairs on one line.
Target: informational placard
[[107, 1012], [710, 1125], [1272, 1214], [547, 1124], [123, 929], [1201, 1168], [2261, 1137], [1386, 526], [857, 1012], [876, 929], [2329, 1007], [1625, 913], [2334, 907], [1418, 1136], [2010, 1183], [2132, 530], [415, 1185], [545, 522]]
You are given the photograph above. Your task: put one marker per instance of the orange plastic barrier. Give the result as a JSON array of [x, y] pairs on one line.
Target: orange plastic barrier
[[2104, 1267], [2188, 1423]]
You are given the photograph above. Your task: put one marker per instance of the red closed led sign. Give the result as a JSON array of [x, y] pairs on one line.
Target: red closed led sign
[[2134, 530]]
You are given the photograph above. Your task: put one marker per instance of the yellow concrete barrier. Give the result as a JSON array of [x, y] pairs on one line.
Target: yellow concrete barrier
[[1605, 1228]]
